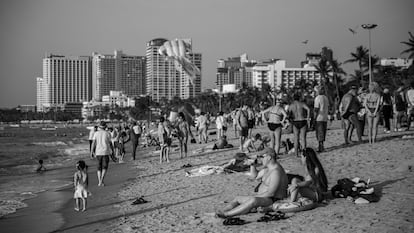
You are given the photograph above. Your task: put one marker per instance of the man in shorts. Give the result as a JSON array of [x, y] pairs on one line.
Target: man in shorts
[[273, 186], [102, 148]]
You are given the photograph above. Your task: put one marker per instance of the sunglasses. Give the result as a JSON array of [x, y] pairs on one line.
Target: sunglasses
[[262, 156]]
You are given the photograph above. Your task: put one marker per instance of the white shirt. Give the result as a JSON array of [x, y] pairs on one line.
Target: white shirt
[[103, 142], [322, 102], [410, 97], [220, 122]]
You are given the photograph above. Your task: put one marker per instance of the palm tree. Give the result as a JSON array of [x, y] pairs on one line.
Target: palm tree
[[337, 71], [361, 56], [410, 44]]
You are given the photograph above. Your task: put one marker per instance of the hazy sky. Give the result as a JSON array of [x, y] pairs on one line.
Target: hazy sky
[[219, 29]]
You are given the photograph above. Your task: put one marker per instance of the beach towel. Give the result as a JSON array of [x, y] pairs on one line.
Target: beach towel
[[204, 171], [301, 204]]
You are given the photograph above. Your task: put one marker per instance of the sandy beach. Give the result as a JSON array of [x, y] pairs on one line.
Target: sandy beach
[[177, 203]]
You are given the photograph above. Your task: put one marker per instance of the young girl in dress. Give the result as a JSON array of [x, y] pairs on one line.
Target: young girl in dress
[[80, 180]]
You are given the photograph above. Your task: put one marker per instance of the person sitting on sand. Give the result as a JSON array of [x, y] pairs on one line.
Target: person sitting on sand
[[222, 143], [240, 163], [249, 144], [315, 183], [274, 183], [40, 167]]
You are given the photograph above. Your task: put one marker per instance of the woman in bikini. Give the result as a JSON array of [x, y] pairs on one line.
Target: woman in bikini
[[299, 121], [277, 116], [371, 105], [315, 182]]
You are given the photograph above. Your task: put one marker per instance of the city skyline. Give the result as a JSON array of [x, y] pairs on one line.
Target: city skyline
[[219, 29]]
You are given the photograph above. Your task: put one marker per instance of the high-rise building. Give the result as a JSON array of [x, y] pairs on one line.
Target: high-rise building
[[163, 80], [65, 79], [118, 72], [234, 70]]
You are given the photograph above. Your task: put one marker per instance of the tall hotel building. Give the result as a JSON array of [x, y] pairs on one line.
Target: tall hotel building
[[162, 78], [235, 70], [66, 79], [118, 72]]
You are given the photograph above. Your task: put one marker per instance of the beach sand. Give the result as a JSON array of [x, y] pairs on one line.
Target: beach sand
[[177, 203]]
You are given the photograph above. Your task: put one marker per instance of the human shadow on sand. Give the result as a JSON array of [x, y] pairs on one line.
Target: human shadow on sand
[[379, 139], [111, 217]]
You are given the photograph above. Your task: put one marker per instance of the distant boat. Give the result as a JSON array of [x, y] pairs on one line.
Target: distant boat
[[14, 125]]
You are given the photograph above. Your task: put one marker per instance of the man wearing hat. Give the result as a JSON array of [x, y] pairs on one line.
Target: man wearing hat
[[349, 108], [102, 148], [273, 186]]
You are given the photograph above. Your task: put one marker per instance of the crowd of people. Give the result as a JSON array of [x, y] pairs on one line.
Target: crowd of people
[[357, 108]]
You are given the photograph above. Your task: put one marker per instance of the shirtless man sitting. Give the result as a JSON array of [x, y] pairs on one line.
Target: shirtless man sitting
[[273, 186]]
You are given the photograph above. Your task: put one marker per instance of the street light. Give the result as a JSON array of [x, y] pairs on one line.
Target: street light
[[369, 27]]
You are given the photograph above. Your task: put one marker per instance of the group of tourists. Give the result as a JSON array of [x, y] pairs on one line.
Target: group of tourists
[[359, 108]]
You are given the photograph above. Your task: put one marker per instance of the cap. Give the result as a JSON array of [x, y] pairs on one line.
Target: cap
[[102, 124], [268, 151]]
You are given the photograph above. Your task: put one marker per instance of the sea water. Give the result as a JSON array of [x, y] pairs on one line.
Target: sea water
[[21, 182]]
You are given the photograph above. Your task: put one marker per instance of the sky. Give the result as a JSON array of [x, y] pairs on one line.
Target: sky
[[219, 29]]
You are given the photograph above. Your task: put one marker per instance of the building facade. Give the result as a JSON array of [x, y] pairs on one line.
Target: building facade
[[117, 72], [65, 79], [163, 80], [275, 73], [235, 70]]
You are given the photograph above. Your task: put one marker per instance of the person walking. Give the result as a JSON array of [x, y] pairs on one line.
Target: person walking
[[321, 110], [101, 149]]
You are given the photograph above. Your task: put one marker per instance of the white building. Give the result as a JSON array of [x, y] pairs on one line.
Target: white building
[[275, 73], [397, 62], [119, 99], [65, 79], [118, 72], [162, 78]]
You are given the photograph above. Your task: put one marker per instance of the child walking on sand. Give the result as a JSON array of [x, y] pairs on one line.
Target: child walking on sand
[[80, 180]]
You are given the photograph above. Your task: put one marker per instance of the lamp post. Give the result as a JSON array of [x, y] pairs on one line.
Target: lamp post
[[369, 27]]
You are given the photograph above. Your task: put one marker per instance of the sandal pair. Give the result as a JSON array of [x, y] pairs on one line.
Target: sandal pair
[[272, 217], [234, 221], [139, 200]]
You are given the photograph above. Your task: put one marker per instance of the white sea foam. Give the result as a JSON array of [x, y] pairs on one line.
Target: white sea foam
[[57, 143]]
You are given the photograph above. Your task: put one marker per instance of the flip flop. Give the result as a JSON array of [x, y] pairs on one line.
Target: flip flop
[[272, 217], [234, 221], [139, 200]]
